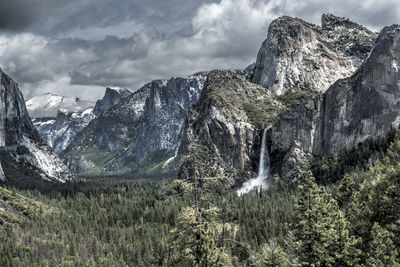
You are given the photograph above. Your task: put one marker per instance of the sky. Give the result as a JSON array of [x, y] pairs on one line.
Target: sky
[[78, 47]]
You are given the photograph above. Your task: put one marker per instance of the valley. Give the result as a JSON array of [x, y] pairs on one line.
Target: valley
[[291, 161]]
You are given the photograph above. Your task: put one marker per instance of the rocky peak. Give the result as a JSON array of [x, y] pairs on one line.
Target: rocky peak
[[14, 118], [348, 37], [222, 131], [47, 105], [111, 97], [331, 22], [351, 111], [300, 56]]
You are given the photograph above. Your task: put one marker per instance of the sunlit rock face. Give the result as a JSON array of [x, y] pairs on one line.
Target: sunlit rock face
[[299, 56], [366, 105], [316, 97], [21, 144]]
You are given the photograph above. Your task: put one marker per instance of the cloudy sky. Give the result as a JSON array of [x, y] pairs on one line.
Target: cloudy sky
[[77, 47]]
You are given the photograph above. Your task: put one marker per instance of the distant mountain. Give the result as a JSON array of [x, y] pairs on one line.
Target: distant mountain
[[111, 97], [48, 105], [22, 152], [141, 134], [58, 132]]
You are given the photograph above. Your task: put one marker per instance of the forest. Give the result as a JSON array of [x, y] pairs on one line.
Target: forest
[[342, 213]]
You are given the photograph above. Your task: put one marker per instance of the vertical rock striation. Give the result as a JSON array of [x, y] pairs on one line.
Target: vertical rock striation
[[140, 134], [366, 105], [20, 143]]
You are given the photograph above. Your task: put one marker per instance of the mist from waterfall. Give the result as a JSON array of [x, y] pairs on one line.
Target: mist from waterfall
[[260, 181]]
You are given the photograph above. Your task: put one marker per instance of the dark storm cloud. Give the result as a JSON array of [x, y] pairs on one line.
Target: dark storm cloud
[[130, 42], [18, 14], [60, 16]]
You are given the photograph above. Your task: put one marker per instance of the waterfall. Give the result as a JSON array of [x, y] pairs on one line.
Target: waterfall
[[263, 170], [263, 166]]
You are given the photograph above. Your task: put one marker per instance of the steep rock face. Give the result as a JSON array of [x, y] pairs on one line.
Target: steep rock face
[[299, 56], [222, 131], [60, 131], [297, 63], [111, 98], [20, 143], [366, 105], [140, 134]]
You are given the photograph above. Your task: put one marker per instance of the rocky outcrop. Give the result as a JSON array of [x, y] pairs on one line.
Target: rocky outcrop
[[141, 133], [59, 132], [299, 56], [312, 101], [366, 105], [20, 143], [111, 98], [222, 131]]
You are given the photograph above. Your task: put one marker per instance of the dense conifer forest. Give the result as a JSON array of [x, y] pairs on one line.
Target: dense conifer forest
[[156, 222]]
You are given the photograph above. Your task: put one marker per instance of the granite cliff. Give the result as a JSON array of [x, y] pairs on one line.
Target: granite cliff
[[303, 72], [22, 151], [140, 134]]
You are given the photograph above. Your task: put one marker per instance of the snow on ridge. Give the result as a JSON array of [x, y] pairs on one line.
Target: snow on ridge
[[48, 104]]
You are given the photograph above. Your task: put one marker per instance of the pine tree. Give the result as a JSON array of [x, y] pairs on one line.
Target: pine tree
[[194, 239], [321, 230], [271, 255], [382, 251], [345, 193]]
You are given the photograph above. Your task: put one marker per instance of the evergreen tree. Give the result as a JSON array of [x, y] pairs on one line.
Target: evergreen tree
[[382, 251], [321, 229], [345, 194], [194, 239], [271, 255]]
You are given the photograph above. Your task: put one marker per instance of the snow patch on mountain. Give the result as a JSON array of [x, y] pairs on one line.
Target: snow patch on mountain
[[48, 104]]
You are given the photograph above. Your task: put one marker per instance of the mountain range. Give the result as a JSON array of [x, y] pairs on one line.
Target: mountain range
[[316, 89], [72, 115]]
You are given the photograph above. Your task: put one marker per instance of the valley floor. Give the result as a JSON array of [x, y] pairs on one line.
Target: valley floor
[[127, 222], [346, 216]]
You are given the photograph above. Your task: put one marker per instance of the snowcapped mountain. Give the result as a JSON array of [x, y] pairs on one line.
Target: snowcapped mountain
[[59, 131], [48, 104]]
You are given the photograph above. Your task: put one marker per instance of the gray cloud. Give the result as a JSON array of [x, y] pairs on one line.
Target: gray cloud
[[52, 17], [149, 39]]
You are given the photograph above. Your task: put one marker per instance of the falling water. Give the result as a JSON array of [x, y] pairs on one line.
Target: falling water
[[263, 170]]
